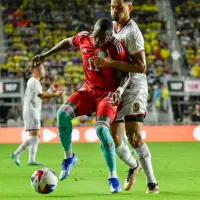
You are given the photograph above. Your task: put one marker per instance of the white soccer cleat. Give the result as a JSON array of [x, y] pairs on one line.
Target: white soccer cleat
[[15, 159]]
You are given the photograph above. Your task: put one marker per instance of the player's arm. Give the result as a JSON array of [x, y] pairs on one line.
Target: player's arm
[[124, 81], [47, 95], [137, 59], [62, 45], [137, 65]]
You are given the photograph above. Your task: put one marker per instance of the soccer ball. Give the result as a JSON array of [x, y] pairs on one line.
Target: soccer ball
[[44, 181]]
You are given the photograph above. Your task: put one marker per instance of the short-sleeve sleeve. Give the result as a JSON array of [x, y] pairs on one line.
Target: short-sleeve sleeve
[[135, 42], [75, 40]]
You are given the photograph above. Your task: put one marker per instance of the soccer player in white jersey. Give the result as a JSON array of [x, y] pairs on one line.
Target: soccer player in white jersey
[[134, 97], [32, 112]]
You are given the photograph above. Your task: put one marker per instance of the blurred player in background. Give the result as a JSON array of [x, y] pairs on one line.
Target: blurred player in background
[[93, 95], [134, 97], [32, 112]]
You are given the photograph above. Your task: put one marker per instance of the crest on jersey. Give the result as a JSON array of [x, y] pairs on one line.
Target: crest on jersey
[[136, 106], [101, 54], [84, 50]]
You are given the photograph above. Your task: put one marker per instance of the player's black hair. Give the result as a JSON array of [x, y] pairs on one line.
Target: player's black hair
[[104, 24]]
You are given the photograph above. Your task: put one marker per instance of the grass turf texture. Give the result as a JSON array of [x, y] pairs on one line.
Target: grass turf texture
[[176, 165]]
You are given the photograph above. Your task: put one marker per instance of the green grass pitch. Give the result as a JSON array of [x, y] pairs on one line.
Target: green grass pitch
[[176, 165]]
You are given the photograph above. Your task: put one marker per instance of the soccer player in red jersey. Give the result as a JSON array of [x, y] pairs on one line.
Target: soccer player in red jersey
[[134, 98], [92, 96]]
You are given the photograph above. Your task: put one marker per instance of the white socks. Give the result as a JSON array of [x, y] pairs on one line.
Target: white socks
[[68, 154], [33, 149], [144, 157], [112, 174], [125, 155], [31, 142]]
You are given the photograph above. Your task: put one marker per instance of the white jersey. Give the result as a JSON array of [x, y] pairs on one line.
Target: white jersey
[[32, 102], [131, 36]]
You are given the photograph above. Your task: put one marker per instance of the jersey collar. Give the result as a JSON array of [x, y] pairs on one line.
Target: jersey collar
[[115, 30]]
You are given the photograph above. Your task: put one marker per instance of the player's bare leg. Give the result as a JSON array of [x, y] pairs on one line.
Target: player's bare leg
[[133, 131], [122, 150]]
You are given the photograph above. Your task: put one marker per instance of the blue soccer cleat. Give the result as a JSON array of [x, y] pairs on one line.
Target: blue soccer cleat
[[67, 165], [15, 159], [114, 185]]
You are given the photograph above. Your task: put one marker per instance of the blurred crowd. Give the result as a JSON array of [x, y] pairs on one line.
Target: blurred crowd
[[188, 29], [32, 27], [191, 115]]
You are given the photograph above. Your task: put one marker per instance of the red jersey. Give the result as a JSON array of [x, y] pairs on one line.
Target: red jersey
[[99, 78]]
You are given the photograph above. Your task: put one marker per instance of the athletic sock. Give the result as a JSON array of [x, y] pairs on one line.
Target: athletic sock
[[125, 155], [144, 157]]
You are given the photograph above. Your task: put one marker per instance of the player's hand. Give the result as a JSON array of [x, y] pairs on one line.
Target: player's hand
[[38, 58], [116, 98], [103, 62], [56, 86]]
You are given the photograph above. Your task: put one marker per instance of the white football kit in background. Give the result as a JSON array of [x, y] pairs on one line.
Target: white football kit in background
[[32, 105], [135, 96]]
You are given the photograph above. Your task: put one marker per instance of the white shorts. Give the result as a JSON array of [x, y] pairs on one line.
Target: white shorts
[[134, 101], [32, 124]]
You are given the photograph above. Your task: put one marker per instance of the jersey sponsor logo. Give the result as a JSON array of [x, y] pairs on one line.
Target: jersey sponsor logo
[[136, 106], [101, 54]]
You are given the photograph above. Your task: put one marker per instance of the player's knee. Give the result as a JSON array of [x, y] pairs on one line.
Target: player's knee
[[101, 132], [117, 139], [104, 136], [134, 138], [63, 117], [117, 132]]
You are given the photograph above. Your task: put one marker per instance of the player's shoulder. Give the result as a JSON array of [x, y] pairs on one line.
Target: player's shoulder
[[32, 81], [84, 34], [116, 44], [132, 29], [132, 25]]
